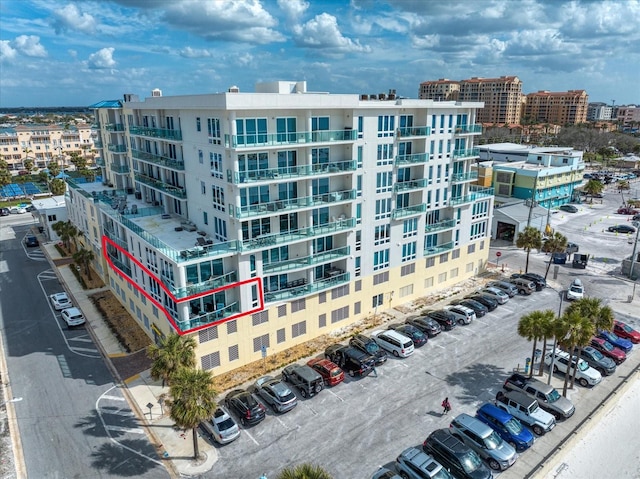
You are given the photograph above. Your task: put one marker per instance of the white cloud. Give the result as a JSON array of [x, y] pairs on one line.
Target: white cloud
[[6, 51], [71, 18], [24, 45], [101, 59], [189, 52], [293, 8], [323, 33]]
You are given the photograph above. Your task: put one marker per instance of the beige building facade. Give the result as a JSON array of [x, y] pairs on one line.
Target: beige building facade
[[558, 108]]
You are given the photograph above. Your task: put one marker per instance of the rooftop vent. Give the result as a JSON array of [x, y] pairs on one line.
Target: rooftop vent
[[234, 89], [364, 96], [156, 92]]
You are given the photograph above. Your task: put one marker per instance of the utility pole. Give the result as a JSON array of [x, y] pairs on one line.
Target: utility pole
[[533, 195], [633, 255]]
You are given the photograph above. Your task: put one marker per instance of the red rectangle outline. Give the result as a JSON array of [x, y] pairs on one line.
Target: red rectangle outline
[[122, 274]]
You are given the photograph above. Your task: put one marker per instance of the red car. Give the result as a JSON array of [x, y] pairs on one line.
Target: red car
[[623, 330], [609, 350], [625, 210], [330, 372]]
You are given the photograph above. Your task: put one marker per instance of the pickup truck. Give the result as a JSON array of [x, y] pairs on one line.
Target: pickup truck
[[549, 399], [526, 409], [580, 260]]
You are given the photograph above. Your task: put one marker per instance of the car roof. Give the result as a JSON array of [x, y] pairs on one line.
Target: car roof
[[494, 411], [72, 311]]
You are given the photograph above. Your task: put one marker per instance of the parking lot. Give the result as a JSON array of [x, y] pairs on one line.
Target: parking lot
[[362, 423]]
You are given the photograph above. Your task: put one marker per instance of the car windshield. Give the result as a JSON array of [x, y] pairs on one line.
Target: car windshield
[[553, 396], [513, 426], [372, 348], [582, 365], [626, 327], [471, 462], [442, 474], [607, 345], [416, 333], [597, 355], [493, 441], [576, 289], [611, 336], [335, 372], [226, 424]]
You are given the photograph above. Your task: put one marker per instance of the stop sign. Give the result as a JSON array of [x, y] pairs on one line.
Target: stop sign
[[498, 254]]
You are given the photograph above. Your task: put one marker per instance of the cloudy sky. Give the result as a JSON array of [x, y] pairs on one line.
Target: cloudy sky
[[78, 52]]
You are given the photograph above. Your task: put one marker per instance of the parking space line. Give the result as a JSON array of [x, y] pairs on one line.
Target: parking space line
[[135, 430], [482, 322], [334, 394], [84, 339], [251, 437], [283, 424]]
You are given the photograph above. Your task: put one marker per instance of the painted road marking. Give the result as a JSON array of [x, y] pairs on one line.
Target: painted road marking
[[135, 430]]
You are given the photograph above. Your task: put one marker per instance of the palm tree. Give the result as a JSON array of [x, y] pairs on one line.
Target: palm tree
[[66, 231], [84, 257], [548, 328], [192, 400], [529, 239], [557, 243], [304, 471], [172, 354], [532, 327], [593, 187], [58, 186], [575, 331]]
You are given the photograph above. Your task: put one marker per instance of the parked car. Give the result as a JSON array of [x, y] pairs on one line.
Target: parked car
[[525, 286], [394, 342], [412, 463], [221, 427], [426, 324], [484, 440], [538, 280], [330, 371], [609, 350], [463, 314], [505, 287], [384, 473], [31, 241], [547, 396], [417, 336], [352, 361], [462, 461], [479, 308], [17, 210], [526, 410], [507, 426], [623, 330], [572, 248], [276, 394], [307, 380], [617, 341], [575, 290], [585, 375], [626, 210], [369, 346], [60, 301], [559, 258], [598, 361], [72, 317], [4, 212], [569, 208], [245, 406], [490, 303], [621, 229], [445, 319], [580, 261], [494, 293]]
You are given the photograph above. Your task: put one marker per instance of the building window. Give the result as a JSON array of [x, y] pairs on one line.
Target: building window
[[410, 228], [444, 257], [384, 182], [481, 244], [408, 269], [428, 282], [282, 310], [453, 273], [339, 314], [385, 154], [322, 320], [281, 336], [208, 334], [322, 297], [378, 300], [358, 285], [357, 308], [406, 290], [358, 270], [469, 267], [471, 249], [382, 234], [383, 208], [213, 129], [386, 125], [430, 262], [203, 188], [478, 230], [210, 361], [380, 259], [442, 277], [260, 318], [409, 251], [380, 278], [298, 305], [217, 197], [455, 254], [259, 342], [198, 124], [340, 292], [298, 329], [234, 353], [232, 327]]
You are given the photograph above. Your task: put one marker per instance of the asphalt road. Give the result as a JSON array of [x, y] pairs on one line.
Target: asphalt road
[[73, 421]]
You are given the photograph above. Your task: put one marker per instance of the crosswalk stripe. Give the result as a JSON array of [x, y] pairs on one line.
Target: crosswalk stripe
[[136, 430], [113, 398], [84, 350]]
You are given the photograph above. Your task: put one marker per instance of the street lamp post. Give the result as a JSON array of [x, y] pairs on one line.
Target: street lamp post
[[555, 338], [633, 255]]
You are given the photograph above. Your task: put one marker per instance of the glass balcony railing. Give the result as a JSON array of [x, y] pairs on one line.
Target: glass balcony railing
[[97, 144], [117, 148], [208, 318], [267, 241], [408, 211], [114, 127], [113, 237], [76, 187], [466, 153], [413, 131], [440, 225], [297, 138], [464, 129], [411, 185], [475, 193], [162, 133], [412, 159], [461, 177], [100, 161], [203, 286], [443, 248], [297, 263], [269, 174], [297, 291], [294, 203], [176, 191], [158, 159], [120, 169]]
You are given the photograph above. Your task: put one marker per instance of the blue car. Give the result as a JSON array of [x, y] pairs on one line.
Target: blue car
[[507, 426], [617, 341]]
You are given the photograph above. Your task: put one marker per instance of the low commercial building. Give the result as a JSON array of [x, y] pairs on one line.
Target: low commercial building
[[48, 212]]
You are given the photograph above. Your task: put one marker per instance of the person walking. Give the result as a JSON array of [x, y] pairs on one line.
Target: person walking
[[446, 405]]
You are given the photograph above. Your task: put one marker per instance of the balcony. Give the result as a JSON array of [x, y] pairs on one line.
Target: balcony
[[403, 132], [399, 213], [475, 194], [466, 153], [100, 161], [162, 133], [412, 159], [468, 129], [440, 226], [114, 127], [411, 185], [97, 144], [203, 318], [299, 138], [204, 286], [297, 291], [175, 191], [462, 177], [298, 263], [117, 148], [443, 248], [269, 174], [302, 234], [120, 169], [158, 160], [260, 209]]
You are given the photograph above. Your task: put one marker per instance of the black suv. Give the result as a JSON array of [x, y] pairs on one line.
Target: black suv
[[426, 325], [490, 303], [418, 337], [446, 319], [353, 361], [245, 406], [453, 454], [369, 346], [536, 279], [479, 308]]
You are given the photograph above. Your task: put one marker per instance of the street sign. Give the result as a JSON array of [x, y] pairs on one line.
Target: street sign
[[498, 254]]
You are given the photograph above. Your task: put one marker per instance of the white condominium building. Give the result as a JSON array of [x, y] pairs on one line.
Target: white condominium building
[[258, 221]]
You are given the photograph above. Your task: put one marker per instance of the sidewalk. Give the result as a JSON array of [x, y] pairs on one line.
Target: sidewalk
[[174, 446]]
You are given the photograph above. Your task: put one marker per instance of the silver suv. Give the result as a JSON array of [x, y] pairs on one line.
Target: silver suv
[[412, 463], [586, 375]]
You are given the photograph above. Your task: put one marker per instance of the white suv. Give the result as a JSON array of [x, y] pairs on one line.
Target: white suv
[[396, 343], [463, 314], [586, 375]]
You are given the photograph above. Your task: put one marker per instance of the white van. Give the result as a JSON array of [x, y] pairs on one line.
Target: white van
[[396, 343], [463, 314]]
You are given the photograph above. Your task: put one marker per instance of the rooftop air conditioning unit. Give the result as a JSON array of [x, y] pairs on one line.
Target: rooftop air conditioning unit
[[364, 96], [156, 92], [234, 89]]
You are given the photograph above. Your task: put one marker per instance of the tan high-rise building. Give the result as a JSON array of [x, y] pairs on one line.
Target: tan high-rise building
[[440, 90], [559, 108]]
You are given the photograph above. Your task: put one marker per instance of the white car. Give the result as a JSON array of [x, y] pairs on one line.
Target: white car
[[73, 317], [17, 210], [221, 427], [576, 290], [463, 314], [60, 301], [586, 375]]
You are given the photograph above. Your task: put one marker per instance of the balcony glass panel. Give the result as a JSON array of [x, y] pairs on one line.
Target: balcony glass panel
[[296, 292], [121, 169], [208, 318], [460, 177], [440, 225], [412, 159], [290, 172], [117, 148], [177, 191], [439, 249], [158, 159], [294, 203], [156, 133], [297, 263], [203, 286], [466, 153], [411, 185], [408, 211], [267, 241], [462, 129], [114, 127], [413, 131], [295, 138]]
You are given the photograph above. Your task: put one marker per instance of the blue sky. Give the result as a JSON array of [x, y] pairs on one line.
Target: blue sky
[[75, 53]]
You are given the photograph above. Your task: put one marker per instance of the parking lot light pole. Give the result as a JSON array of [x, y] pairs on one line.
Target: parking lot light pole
[[633, 255], [555, 339]]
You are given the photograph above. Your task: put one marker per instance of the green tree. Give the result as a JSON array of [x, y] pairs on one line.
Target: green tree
[[547, 326], [556, 243], [304, 471], [533, 327], [192, 400], [57, 186], [29, 164], [593, 188], [84, 257], [574, 332], [54, 168], [529, 239], [67, 232], [5, 174], [172, 354]]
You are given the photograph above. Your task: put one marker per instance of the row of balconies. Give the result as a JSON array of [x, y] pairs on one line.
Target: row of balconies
[[269, 174], [175, 191], [266, 208], [162, 133], [295, 138], [158, 159]]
